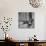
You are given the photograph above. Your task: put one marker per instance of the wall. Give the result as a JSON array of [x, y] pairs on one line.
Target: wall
[[10, 8]]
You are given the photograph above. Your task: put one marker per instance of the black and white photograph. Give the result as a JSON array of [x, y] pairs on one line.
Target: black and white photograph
[[25, 19]]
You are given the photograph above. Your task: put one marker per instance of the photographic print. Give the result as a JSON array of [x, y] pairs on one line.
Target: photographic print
[[25, 19]]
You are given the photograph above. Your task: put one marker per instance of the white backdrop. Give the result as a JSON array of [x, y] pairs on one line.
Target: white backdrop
[[10, 8]]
